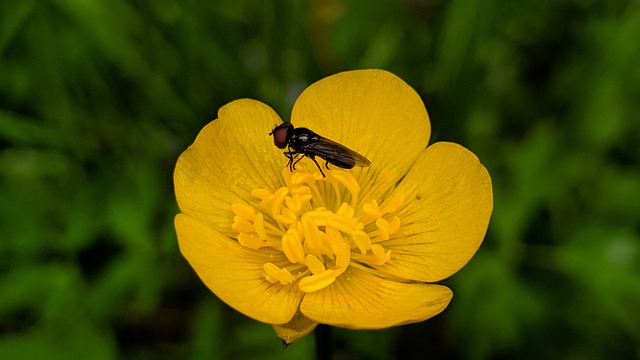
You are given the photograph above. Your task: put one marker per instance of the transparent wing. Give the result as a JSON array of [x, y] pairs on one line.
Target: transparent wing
[[338, 154]]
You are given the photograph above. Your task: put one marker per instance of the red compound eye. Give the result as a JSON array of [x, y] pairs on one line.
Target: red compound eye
[[280, 135]]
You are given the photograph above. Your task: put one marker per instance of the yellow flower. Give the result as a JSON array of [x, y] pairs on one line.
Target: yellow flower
[[358, 248]]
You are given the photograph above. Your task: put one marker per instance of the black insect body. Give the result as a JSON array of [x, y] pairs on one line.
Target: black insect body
[[303, 142]]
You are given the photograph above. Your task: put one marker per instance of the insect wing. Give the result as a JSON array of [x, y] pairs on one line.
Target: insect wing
[[338, 154]]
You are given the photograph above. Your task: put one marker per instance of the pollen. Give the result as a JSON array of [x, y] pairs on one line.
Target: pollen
[[322, 225]]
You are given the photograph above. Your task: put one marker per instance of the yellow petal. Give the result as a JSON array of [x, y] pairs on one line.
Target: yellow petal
[[235, 273], [361, 300], [448, 204], [300, 326], [372, 112], [231, 156]]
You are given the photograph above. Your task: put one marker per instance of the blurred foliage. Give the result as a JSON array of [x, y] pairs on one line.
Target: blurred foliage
[[98, 98]]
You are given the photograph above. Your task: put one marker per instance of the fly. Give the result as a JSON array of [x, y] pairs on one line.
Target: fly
[[303, 142]]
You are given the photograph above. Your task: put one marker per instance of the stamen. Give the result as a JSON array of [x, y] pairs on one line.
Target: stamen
[[292, 246], [276, 203], [380, 254], [362, 241], [319, 226], [275, 274], [383, 226], [241, 225], [315, 265], [316, 282], [287, 217], [250, 241], [335, 240], [258, 225], [243, 210], [342, 223]]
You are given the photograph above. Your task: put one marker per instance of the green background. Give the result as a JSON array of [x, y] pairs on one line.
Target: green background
[[98, 98]]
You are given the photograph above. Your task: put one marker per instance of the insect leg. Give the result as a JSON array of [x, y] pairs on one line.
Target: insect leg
[[290, 159], [297, 161], [291, 155], [319, 168]]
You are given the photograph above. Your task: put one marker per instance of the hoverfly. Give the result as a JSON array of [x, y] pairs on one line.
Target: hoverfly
[[303, 142]]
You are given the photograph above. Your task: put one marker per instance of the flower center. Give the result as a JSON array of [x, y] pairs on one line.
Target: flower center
[[319, 224]]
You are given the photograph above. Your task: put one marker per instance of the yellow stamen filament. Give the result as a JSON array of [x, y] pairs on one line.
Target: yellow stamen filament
[[258, 225], [276, 274], [315, 265], [318, 281], [319, 225], [292, 246]]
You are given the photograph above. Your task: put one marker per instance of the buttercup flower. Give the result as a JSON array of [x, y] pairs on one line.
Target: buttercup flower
[[359, 248]]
